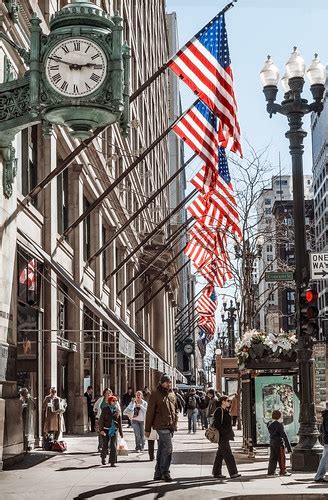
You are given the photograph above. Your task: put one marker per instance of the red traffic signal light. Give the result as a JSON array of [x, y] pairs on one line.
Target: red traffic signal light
[[310, 295]]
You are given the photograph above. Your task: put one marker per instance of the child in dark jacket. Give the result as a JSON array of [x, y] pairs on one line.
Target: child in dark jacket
[[278, 441]]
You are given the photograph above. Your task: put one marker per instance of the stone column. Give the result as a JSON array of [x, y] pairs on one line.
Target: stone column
[[11, 435], [77, 405], [48, 160], [158, 319], [96, 242], [112, 266]]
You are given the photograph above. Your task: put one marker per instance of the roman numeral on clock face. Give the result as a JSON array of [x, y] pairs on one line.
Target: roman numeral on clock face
[[95, 77], [75, 89], [65, 49], [95, 56], [64, 86], [77, 46], [54, 67], [87, 86], [56, 78], [98, 66]]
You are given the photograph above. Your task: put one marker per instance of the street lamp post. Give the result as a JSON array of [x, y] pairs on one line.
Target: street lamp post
[[230, 320], [306, 454]]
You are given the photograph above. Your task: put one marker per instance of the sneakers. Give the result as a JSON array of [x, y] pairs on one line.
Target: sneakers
[[285, 474], [321, 480], [103, 461], [167, 477], [234, 476]]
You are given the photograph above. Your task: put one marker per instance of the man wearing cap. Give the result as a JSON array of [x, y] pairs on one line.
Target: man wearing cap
[[162, 415]]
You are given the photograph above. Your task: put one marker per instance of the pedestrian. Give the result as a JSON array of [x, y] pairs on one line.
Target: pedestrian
[[212, 405], [136, 412], [192, 410], [53, 410], [234, 408], [202, 408], [180, 400], [91, 414], [278, 441], [222, 422], [126, 400], [162, 415], [110, 423], [323, 465], [28, 408], [97, 411], [146, 394]]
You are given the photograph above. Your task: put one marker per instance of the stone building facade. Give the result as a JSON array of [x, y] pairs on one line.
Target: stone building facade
[[64, 319]]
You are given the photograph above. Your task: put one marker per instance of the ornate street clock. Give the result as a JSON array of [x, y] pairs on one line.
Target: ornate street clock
[[76, 67]]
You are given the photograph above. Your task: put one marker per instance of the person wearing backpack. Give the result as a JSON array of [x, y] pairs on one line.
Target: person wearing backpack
[[222, 422], [192, 402], [202, 406], [323, 465]]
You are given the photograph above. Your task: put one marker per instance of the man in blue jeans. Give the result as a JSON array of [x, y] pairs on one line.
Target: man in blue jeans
[[323, 465], [162, 415]]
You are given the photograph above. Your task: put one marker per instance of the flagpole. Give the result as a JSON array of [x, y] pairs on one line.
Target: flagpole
[[158, 255], [138, 212], [188, 305], [152, 233], [162, 287], [122, 176], [149, 285]]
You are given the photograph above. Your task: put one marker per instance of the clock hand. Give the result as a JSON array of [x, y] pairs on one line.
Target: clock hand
[[70, 64]]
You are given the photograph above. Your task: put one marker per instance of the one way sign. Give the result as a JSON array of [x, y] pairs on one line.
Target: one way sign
[[319, 266]]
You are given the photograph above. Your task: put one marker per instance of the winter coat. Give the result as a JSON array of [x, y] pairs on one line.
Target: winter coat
[[203, 402], [136, 411], [324, 426], [222, 422], [212, 406], [53, 421], [234, 407], [278, 435], [162, 411], [106, 418]]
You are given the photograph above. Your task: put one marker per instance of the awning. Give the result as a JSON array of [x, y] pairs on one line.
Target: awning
[[91, 301]]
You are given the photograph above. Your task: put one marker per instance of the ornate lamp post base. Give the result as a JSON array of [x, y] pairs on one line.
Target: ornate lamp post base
[[306, 459]]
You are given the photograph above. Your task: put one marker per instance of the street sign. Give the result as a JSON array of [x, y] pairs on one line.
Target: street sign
[[279, 276], [319, 266]]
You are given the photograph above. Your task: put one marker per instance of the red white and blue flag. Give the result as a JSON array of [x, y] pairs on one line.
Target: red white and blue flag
[[204, 65]]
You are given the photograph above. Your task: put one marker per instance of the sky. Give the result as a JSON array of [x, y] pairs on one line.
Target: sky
[[255, 29]]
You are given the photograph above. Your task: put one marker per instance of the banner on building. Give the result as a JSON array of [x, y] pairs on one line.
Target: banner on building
[[153, 362], [275, 392], [126, 346]]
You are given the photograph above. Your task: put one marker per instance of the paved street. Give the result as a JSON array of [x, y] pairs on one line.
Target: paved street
[[77, 474]]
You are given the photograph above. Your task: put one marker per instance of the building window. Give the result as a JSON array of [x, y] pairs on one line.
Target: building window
[[62, 312], [29, 160], [86, 231], [269, 248], [62, 201], [268, 211], [279, 191], [267, 201]]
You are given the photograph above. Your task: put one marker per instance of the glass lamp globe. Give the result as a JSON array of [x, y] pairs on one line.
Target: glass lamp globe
[[218, 352], [295, 66], [285, 84], [316, 72], [269, 73]]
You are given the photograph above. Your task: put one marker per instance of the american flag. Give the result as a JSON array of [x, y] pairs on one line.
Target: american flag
[[207, 302], [198, 128], [28, 275], [204, 65]]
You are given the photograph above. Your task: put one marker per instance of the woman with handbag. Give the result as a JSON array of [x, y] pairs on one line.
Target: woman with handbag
[[110, 423], [222, 422], [136, 411]]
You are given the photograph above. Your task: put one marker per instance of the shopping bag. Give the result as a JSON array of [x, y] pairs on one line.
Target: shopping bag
[[122, 447], [59, 446]]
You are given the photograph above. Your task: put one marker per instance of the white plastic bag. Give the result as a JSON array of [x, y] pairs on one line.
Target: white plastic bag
[[122, 447]]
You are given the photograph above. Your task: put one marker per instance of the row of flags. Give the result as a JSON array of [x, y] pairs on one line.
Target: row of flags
[[210, 127]]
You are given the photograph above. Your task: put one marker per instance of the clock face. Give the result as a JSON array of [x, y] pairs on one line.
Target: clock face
[[188, 348], [76, 67]]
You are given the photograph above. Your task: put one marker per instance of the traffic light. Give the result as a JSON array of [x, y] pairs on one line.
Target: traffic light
[[309, 312]]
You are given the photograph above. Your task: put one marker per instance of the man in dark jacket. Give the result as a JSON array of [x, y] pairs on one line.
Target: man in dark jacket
[[162, 415], [91, 414], [323, 465], [126, 400], [191, 406]]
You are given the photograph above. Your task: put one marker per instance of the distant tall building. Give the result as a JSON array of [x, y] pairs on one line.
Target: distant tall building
[[280, 194]]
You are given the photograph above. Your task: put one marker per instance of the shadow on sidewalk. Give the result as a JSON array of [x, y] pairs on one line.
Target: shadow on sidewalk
[[159, 489], [95, 466], [30, 460], [206, 457]]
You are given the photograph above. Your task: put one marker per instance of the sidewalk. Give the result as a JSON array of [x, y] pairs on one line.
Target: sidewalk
[[78, 474]]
